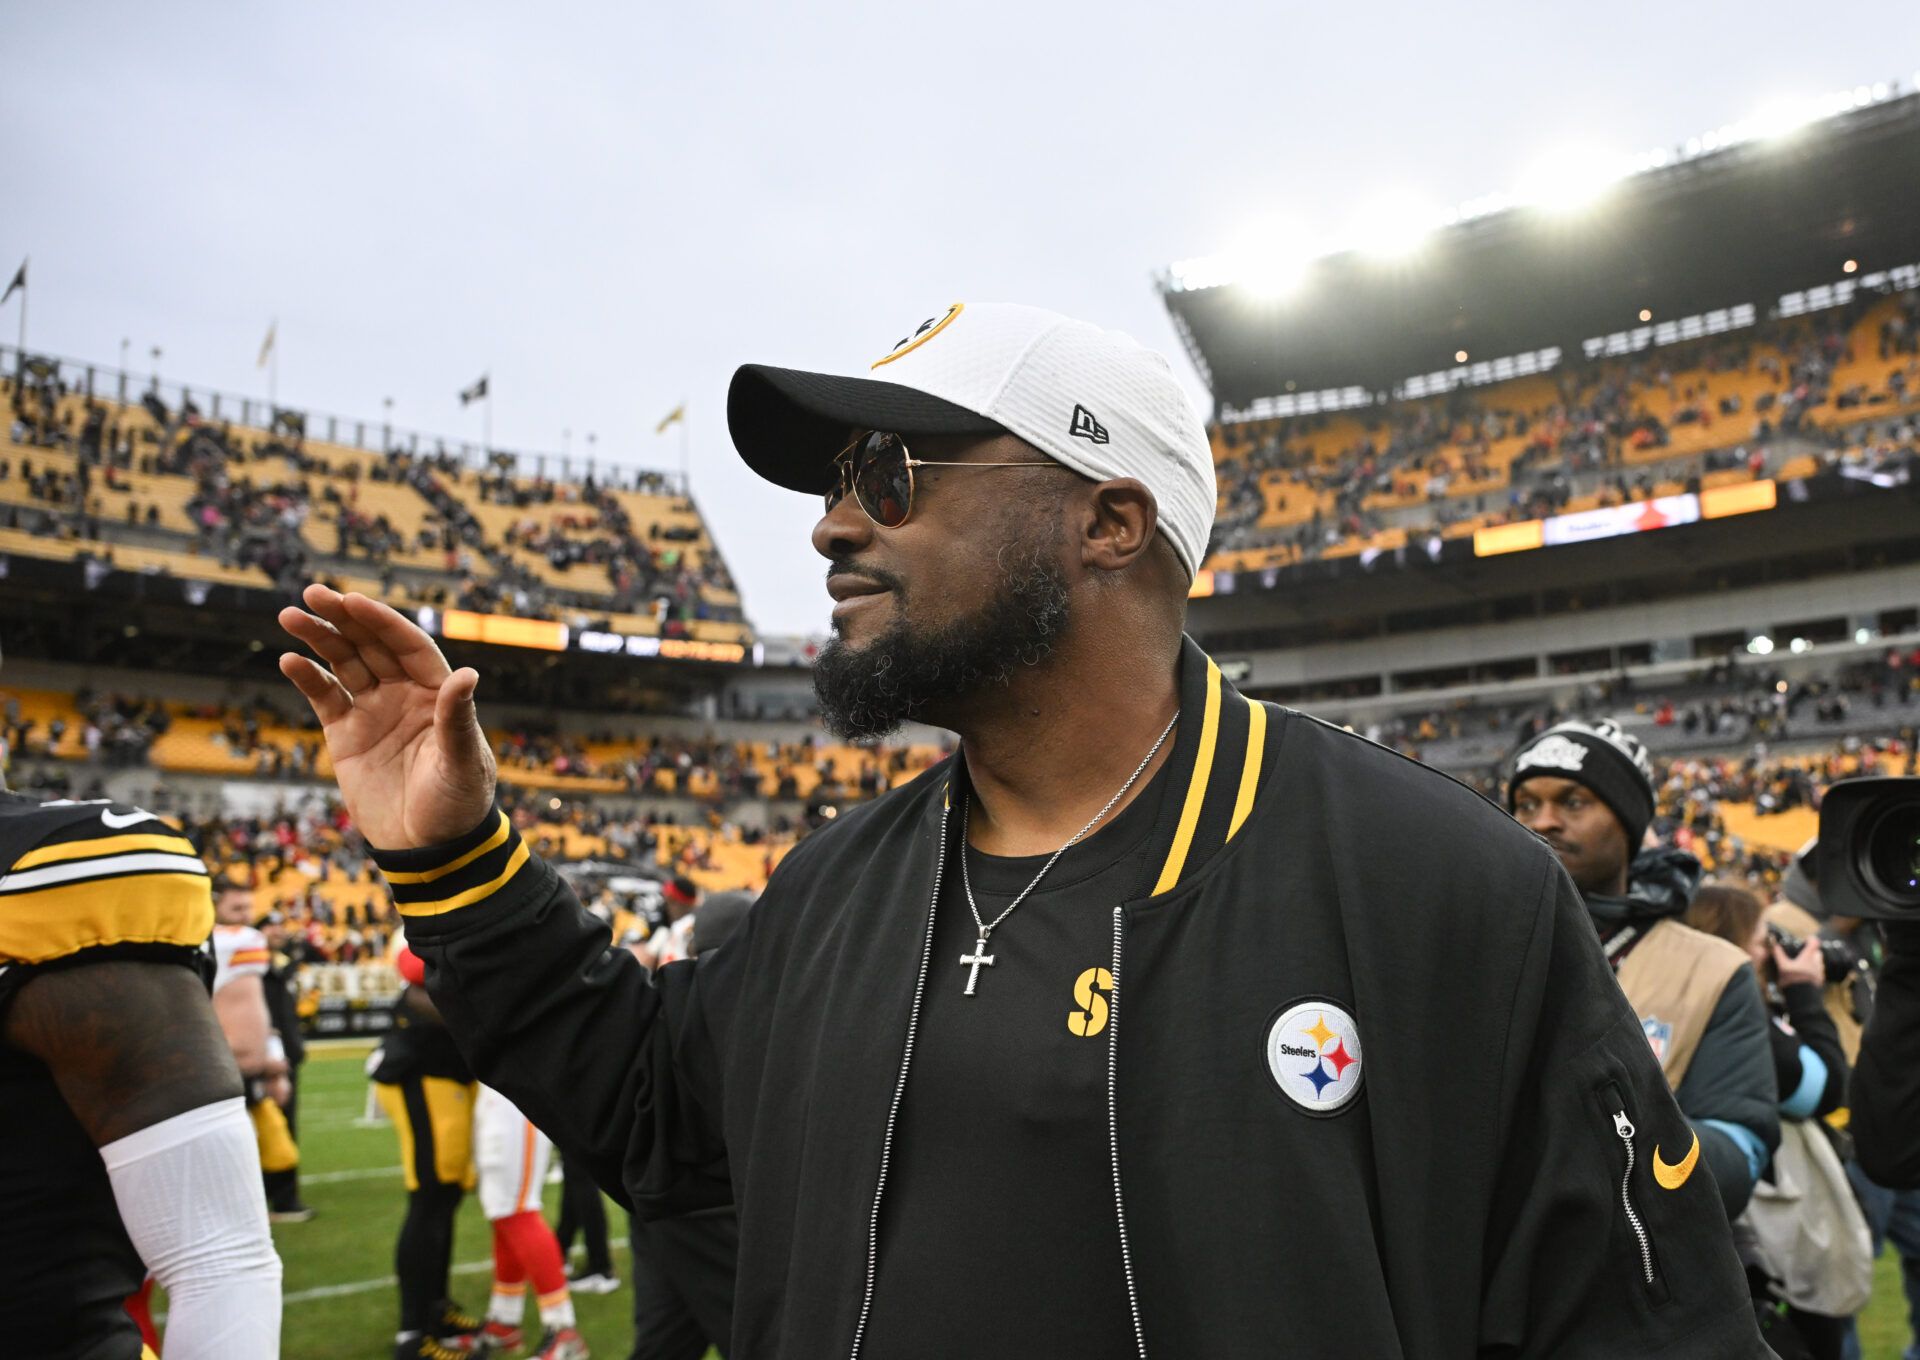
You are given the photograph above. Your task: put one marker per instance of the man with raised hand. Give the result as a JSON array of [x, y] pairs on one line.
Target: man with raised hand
[[1154, 1022]]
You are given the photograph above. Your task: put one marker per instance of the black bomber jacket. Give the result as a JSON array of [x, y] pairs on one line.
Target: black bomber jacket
[[1483, 1159]]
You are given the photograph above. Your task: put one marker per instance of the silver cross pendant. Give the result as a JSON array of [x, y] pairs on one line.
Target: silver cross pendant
[[974, 960]]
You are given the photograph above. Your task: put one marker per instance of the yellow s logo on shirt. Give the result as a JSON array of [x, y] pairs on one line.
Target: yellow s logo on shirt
[[1091, 1018]]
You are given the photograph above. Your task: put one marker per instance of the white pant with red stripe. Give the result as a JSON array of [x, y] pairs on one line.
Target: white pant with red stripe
[[510, 1155]]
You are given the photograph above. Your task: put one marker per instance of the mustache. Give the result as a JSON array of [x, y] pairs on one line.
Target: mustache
[[846, 566]]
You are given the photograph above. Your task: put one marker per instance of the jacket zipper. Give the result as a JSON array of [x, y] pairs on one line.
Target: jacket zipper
[[1113, 1131], [899, 1090], [1624, 1127]]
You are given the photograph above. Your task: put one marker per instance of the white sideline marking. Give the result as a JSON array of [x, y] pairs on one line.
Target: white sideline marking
[[365, 1173], [388, 1282]]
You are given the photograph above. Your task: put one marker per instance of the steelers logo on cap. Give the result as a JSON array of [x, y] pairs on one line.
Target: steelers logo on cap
[[1313, 1053], [920, 334]]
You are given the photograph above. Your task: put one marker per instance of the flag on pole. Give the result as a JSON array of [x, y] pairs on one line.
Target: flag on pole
[[19, 282], [673, 417], [266, 346], [468, 395]]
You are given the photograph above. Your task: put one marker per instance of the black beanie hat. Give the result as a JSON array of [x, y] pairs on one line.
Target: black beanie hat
[[1600, 755]]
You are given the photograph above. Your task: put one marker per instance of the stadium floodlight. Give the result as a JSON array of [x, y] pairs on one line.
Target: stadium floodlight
[[1395, 226], [1863, 635], [1270, 261], [1270, 275], [1761, 645], [1782, 117], [1572, 179]]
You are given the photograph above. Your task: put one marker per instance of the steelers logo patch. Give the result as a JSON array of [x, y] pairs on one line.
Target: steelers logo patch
[[1313, 1054], [920, 334]]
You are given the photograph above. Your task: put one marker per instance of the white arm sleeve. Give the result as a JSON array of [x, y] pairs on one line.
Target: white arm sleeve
[[190, 1195]]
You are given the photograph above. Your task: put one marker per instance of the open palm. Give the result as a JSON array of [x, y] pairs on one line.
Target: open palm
[[408, 752]]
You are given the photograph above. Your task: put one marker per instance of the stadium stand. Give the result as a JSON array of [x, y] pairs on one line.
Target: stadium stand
[[1720, 706], [150, 487], [257, 738], [1710, 413]]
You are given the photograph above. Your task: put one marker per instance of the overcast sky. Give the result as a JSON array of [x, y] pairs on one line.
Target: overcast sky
[[609, 207]]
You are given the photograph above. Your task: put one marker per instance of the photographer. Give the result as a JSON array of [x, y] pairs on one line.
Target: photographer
[[1886, 1084], [1587, 790], [1848, 946], [1803, 1230], [1867, 865]]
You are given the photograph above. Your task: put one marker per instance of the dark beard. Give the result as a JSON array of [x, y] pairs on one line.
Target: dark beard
[[869, 691]]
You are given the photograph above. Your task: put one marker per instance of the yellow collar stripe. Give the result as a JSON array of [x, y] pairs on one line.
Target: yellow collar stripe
[[104, 845], [1250, 772], [493, 842], [1196, 786], [471, 895]]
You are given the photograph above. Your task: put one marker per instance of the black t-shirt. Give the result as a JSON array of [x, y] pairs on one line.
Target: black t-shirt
[[999, 1235]]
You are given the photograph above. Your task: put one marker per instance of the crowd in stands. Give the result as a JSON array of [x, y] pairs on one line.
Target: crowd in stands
[[1722, 704], [294, 509], [1512, 450], [716, 770], [652, 566], [114, 730], [257, 736]]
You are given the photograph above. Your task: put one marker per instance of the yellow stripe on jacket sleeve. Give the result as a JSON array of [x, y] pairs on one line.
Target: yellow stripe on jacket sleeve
[[1250, 772], [446, 904], [1196, 786], [103, 845], [53, 923], [491, 843]]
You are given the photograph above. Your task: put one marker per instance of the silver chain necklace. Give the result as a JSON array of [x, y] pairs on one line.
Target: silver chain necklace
[[980, 956]]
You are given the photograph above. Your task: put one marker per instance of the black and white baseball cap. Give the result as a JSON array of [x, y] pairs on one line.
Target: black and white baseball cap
[[1094, 400]]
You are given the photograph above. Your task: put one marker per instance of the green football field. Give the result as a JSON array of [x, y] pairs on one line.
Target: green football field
[[341, 1302], [340, 1297]]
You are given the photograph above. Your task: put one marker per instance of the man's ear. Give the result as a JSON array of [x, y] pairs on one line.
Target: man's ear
[[1124, 516]]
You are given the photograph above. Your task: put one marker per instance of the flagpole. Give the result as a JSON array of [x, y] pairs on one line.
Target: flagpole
[[25, 283], [487, 416], [273, 365], [686, 485]]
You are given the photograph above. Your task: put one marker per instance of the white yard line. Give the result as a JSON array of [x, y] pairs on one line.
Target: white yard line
[[334, 1291], [365, 1173]]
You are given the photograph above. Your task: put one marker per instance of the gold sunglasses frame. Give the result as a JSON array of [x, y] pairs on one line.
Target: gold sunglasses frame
[[844, 489]]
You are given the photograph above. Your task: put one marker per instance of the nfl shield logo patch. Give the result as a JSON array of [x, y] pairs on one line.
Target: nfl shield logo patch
[[1659, 1033]]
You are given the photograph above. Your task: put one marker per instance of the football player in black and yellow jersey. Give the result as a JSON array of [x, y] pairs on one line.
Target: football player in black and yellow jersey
[[124, 1145], [427, 1091]]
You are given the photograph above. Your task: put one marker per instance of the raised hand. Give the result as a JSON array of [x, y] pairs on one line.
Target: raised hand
[[408, 752]]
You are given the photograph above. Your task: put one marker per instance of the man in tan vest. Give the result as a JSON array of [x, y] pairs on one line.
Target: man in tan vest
[[1587, 790]]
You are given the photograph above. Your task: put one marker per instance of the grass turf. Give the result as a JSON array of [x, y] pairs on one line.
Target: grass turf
[[340, 1298]]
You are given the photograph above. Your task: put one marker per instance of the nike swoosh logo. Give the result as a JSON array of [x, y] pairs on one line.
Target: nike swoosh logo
[[120, 823], [1673, 1176]]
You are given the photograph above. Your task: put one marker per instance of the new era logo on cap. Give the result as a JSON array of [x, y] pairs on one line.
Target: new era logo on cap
[[1086, 427]]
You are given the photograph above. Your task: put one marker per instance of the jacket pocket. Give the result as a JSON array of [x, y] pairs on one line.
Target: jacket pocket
[[1646, 1262]]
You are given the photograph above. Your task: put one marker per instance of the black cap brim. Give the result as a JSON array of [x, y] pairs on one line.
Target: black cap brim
[[789, 425]]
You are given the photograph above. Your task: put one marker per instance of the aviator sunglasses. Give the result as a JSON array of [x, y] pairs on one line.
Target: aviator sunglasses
[[877, 469]]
